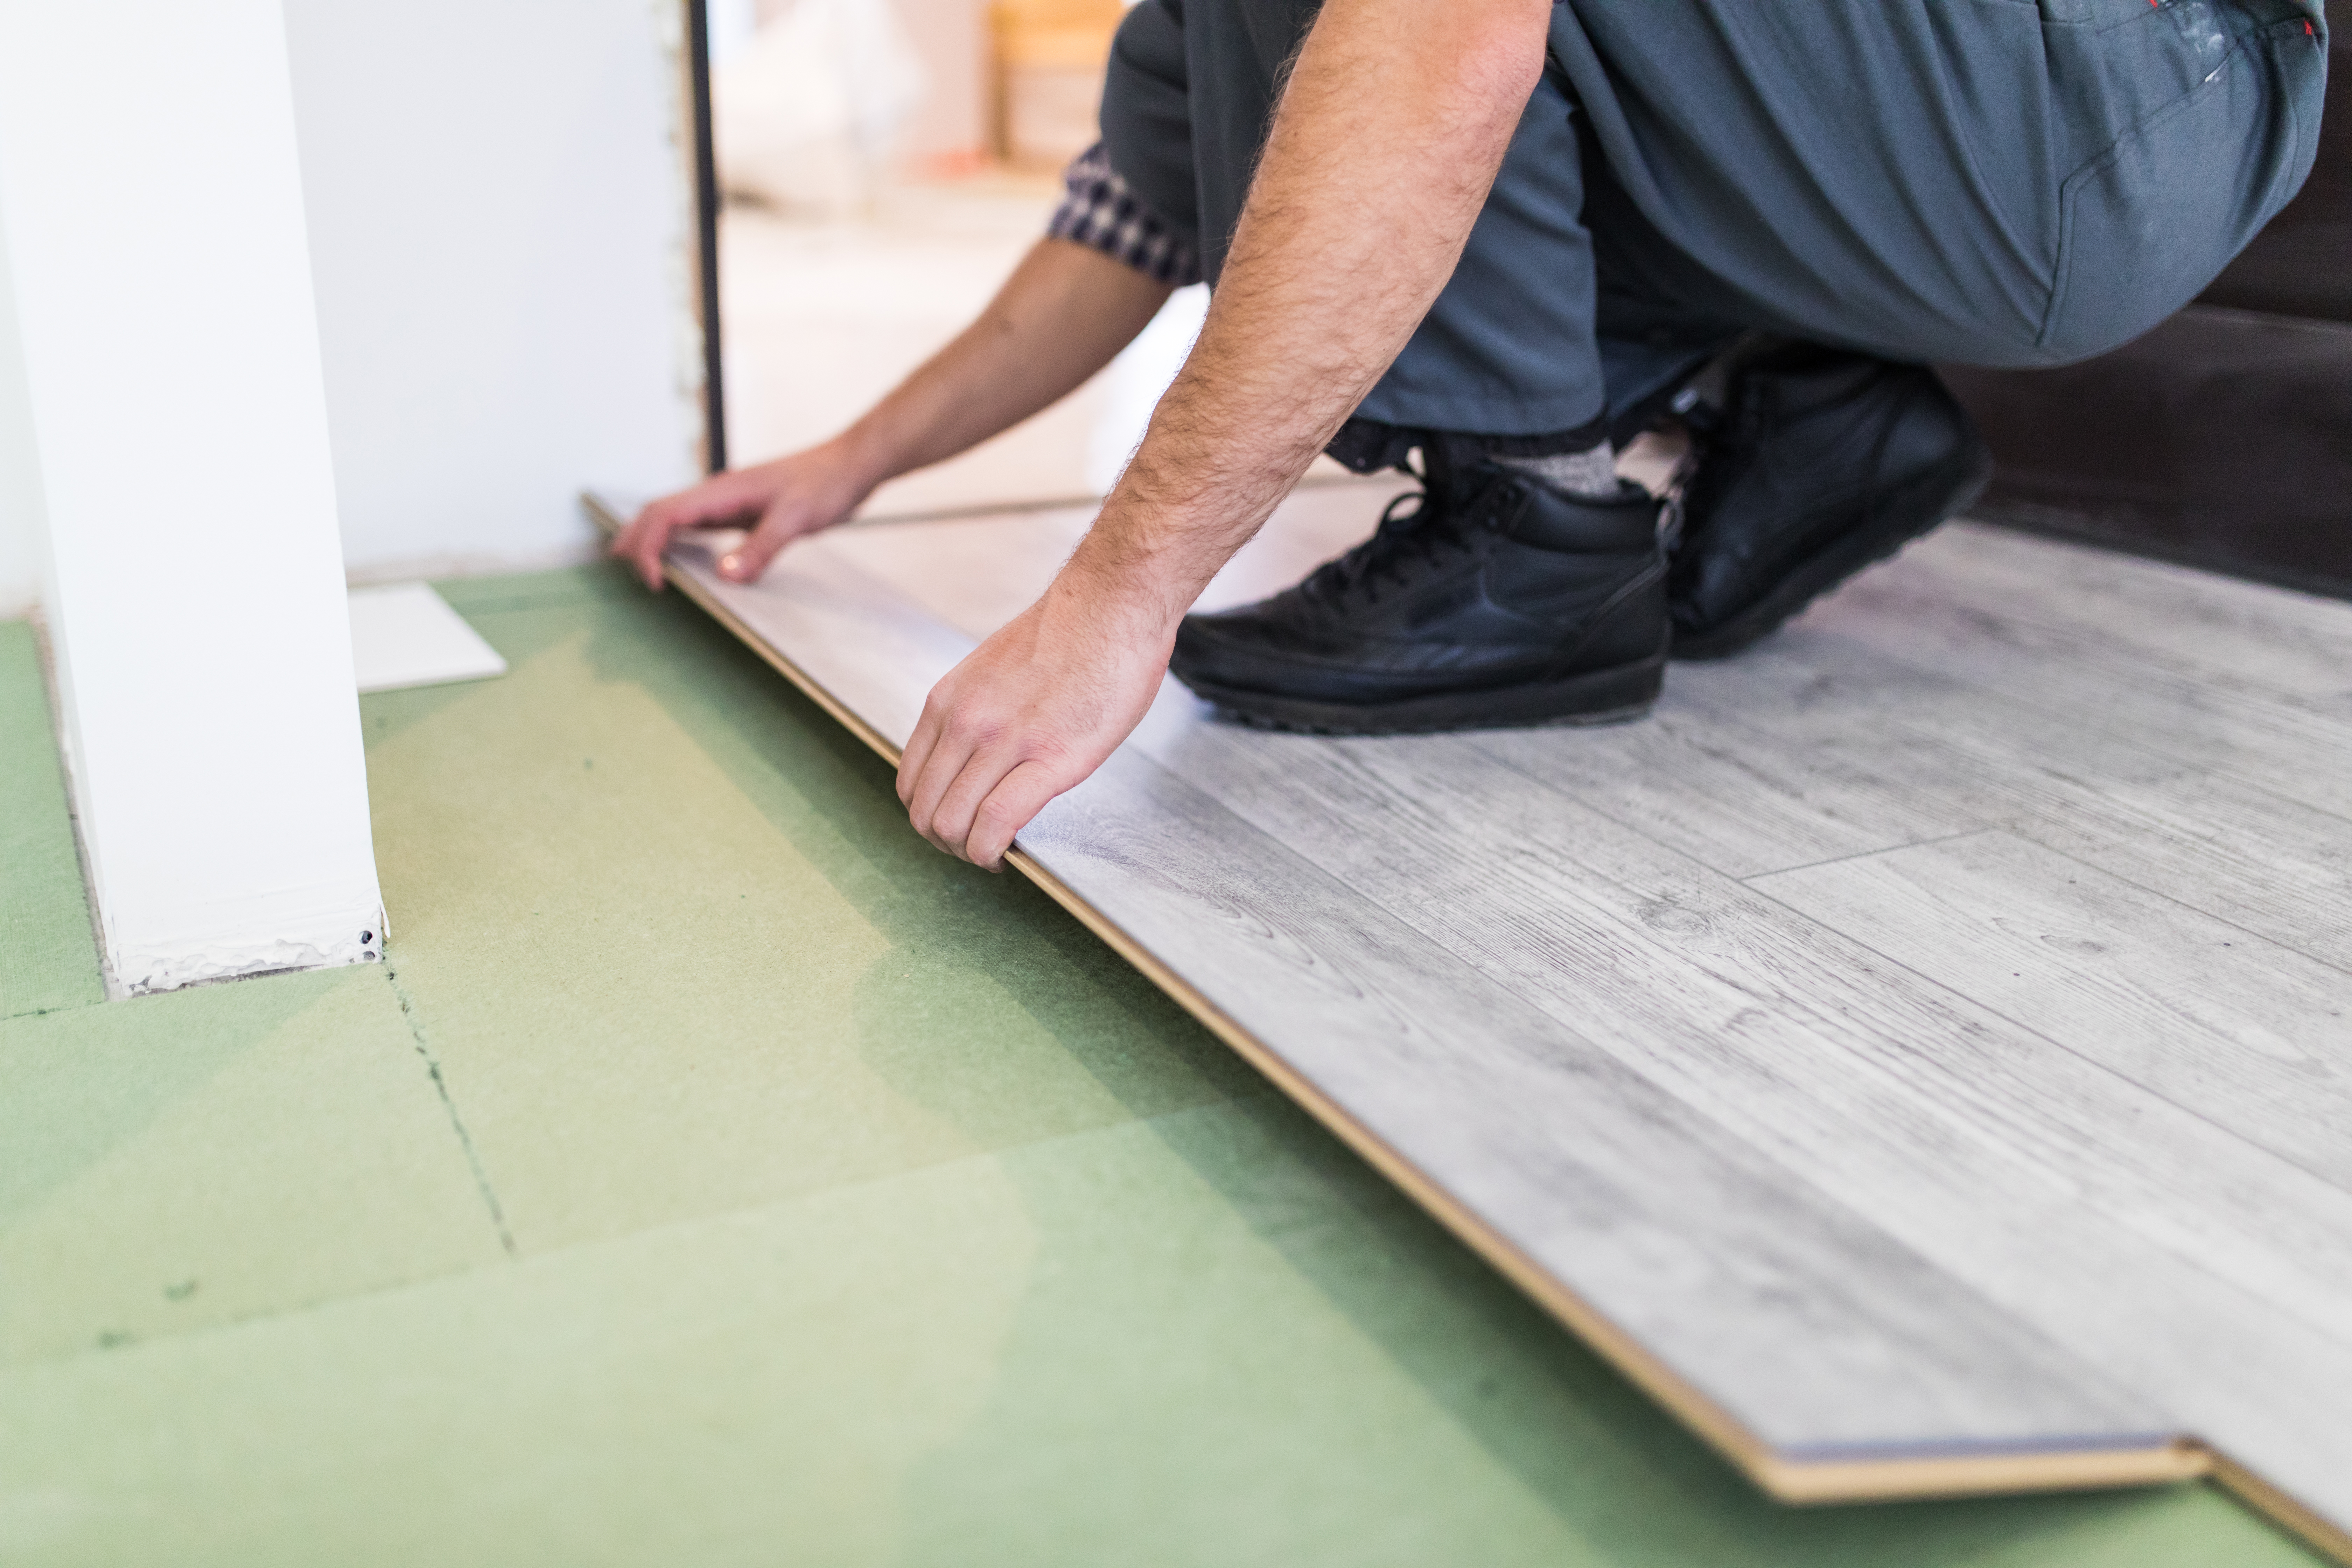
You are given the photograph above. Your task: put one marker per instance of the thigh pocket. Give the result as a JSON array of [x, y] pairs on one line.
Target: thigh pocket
[[2144, 226]]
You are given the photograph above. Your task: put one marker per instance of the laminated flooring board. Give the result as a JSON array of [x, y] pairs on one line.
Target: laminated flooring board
[[1919, 1054]]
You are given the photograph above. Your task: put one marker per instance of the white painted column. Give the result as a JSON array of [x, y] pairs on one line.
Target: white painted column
[[150, 202]]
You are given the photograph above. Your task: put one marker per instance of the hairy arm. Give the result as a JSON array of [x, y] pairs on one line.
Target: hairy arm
[[1062, 314], [1388, 137]]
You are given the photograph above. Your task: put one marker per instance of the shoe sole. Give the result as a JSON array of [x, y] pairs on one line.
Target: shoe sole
[[1939, 499], [1602, 697]]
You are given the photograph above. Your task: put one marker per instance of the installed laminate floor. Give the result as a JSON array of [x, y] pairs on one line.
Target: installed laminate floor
[[1920, 1054]]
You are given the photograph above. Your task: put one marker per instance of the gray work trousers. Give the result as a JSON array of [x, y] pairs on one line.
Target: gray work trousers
[[1984, 182]]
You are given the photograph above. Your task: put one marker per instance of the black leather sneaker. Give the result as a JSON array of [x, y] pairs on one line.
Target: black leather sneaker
[[1823, 461], [1497, 601]]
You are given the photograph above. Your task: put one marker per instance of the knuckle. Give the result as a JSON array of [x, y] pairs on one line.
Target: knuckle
[[976, 728]]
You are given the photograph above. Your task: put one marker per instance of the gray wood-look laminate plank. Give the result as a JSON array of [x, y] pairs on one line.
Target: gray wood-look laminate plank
[[2145, 1236], [2249, 1035], [2270, 865], [1904, 613], [1686, 782], [977, 574], [1710, 1018], [2193, 622], [1767, 1019], [1817, 1334]]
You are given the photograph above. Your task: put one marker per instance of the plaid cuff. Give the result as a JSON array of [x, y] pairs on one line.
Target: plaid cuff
[[1099, 212]]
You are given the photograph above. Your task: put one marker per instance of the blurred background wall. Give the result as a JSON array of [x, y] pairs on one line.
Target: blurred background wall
[[498, 217], [499, 226], [886, 163]]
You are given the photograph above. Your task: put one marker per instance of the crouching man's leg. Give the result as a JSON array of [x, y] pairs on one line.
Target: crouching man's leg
[[1899, 182], [1526, 582], [2003, 185]]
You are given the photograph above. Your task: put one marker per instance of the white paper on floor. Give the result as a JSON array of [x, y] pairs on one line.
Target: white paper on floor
[[407, 635]]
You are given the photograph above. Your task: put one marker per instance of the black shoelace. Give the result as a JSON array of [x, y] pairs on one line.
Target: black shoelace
[[1427, 534]]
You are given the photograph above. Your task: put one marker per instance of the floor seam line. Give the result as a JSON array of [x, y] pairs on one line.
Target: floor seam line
[[2173, 899], [2055, 1043], [1517, 991], [1755, 877], [2228, 769], [1266, 1093], [456, 1122]]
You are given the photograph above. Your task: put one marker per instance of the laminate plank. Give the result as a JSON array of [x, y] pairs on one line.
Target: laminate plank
[[1818, 1199], [978, 572], [2270, 865], [2203, 625], [1901, 613], [1818, 1335], [1964, 908], [1682, 779], [1769, 1302], [2251, 1037], [1758, 1016], [1688, 977], [2139, 1234], [975, 574]]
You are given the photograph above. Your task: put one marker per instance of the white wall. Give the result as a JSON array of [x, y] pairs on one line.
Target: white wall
[[21, 519], [153, 209], [498, 217]]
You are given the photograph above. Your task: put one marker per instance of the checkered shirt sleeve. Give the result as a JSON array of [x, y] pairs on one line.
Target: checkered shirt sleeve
[[1100, 212]]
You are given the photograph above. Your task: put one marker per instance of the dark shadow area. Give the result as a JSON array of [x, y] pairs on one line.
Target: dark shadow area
[[2223, 439]]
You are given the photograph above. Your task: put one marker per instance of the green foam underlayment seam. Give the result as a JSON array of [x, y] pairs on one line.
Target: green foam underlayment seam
[[456, 1122]]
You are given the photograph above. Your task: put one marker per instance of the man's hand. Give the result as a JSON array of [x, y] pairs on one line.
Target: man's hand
[[778, 502], [1032, 712], [1061, 317]]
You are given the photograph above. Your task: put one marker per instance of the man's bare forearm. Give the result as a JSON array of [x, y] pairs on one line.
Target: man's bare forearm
[[1387, 139], [1063, 315]]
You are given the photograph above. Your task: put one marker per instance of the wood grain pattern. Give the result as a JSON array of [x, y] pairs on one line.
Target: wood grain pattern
[[1919, 1055], [2131, 1227], [2231, 849], [1658, 1217], [2088, 669], [2175, 617], [2202, 1014], [1781, 1028]]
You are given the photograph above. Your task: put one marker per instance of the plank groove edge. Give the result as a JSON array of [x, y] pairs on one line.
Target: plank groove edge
[[1784, 1479], [1788, 1479], [2321, 1535]]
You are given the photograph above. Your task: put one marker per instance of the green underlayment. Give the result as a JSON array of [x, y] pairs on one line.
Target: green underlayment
[[715, 1174]]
